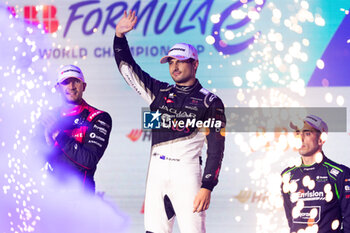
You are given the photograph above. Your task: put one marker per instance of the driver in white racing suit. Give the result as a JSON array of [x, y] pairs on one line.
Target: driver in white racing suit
[[175, 185]]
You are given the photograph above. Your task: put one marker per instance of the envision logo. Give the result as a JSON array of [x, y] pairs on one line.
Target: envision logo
[[312, 194]]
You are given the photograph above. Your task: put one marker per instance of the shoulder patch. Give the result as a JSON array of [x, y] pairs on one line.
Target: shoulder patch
[[288, 170], [204, 91], [334, 171], [93, 114], [209, 98]]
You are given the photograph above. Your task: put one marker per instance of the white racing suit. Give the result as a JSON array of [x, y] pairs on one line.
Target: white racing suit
[[175, 174]]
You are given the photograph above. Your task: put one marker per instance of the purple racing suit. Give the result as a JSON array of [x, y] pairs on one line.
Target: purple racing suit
[[317, 197]]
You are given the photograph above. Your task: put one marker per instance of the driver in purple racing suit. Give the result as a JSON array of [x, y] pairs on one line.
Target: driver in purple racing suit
[[175, 185], [316, 192]]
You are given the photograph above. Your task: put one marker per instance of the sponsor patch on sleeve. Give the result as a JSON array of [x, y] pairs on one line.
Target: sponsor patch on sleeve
[[103, 123]]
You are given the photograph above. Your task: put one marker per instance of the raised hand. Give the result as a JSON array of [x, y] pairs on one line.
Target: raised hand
[[126, 23]]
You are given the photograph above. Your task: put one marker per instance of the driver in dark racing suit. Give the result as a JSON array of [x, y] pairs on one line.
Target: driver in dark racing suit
[[316, 192], [77, 133], [175, 185]]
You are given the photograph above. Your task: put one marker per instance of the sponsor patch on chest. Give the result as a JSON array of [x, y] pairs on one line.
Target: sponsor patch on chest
[[334, 172], [347, 188], [321, 178]]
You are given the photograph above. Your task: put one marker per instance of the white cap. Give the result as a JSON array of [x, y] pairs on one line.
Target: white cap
[[181, 51], [70, 71], [315, 122]]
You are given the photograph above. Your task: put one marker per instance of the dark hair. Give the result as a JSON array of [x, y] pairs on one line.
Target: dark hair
[[190, 60]]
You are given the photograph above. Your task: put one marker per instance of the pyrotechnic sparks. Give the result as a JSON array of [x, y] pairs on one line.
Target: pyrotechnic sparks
[[273, 53], [22, 101], [30, 200], [277, 56]]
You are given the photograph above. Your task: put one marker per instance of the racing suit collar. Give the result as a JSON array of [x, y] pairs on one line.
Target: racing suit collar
[[74, 110], [187, 89], [313, 166]]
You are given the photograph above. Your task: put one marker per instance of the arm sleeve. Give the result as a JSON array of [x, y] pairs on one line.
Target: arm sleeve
[[287, 207], [344, 189], [89, 152], [215, 145], [135, 77]]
